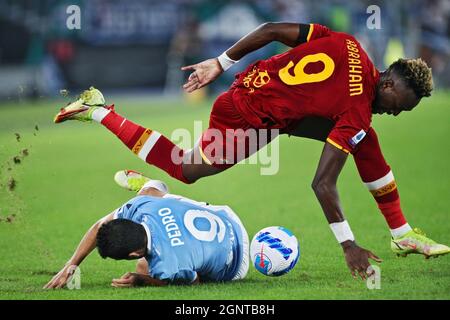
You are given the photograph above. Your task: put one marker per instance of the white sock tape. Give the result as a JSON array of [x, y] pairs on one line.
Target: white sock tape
[[99, 114], [157, 184], [400, 231], [342, 231], [225, 61]]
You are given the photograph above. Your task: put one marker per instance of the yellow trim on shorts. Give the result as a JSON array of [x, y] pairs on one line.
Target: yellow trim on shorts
[[203, 156], [337, 145], [311, 29]]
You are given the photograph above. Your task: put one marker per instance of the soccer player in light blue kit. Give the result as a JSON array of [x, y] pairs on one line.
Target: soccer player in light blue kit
[[177, 240]]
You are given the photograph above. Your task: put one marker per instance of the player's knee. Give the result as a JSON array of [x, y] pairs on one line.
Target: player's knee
[[191, 180], [193, 172], [191, 177], [320, 186]]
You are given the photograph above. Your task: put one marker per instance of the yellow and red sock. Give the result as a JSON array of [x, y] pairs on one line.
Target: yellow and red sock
[[385, 192], [379, 179], [149, 145]]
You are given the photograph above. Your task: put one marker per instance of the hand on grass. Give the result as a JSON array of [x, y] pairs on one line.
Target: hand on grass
[[61, 279], [358, 259], [128, 280]]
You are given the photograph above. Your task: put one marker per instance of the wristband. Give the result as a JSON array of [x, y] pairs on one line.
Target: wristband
[[225, 61], [342, 231]]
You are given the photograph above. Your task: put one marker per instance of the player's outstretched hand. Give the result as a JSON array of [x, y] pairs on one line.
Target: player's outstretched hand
[[204, 73], [61, 279], [358, 260], [129, 279]]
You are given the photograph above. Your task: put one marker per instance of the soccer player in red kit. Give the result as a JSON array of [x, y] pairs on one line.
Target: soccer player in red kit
[[325, 88]]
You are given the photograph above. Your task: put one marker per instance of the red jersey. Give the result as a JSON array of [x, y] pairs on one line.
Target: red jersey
[[329, 76]]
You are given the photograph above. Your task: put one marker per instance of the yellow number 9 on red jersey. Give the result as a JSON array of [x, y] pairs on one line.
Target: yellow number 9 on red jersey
[[300, 77]]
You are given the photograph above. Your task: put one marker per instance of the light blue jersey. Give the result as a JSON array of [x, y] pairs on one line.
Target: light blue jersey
[[188, 238]]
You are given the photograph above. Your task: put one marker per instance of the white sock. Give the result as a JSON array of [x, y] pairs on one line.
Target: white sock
[[99, 114], [157, 184], [400, 231]]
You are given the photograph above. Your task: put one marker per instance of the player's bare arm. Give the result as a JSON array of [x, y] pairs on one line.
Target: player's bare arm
[[209, 70], [86, 246], [324, 184], [133, 279]]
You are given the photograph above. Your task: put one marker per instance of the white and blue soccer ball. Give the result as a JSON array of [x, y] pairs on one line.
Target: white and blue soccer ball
[[274, 251]]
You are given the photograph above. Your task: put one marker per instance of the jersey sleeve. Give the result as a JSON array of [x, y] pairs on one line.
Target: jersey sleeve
[[312, 31], [167, 271], [185, 276], [124, 212], [349, 130]]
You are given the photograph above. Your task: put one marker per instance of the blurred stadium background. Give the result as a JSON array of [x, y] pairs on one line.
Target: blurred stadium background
[[137, 47]]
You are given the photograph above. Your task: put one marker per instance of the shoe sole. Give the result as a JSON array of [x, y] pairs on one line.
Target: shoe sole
[[436, 255], [121, 178], [65, 115]]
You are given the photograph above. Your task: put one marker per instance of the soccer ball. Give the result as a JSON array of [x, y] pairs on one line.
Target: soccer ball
[[274, 251]]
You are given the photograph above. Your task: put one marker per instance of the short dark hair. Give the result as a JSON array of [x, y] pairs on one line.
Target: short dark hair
[[417, 75], [118, 238]]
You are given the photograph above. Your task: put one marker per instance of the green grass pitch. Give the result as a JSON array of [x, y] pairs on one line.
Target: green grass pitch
[[63, 184]]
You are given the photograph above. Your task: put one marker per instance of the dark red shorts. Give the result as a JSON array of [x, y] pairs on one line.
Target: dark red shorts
[[229, 138]]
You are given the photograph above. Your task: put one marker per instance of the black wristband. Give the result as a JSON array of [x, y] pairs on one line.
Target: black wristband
[[303, 33]]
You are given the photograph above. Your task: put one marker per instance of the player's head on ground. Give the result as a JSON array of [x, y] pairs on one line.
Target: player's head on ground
[[122, 239], [402, 86]]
